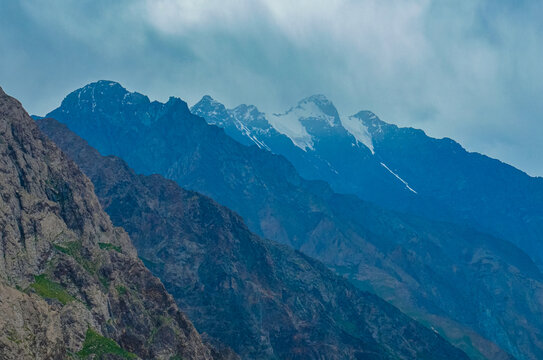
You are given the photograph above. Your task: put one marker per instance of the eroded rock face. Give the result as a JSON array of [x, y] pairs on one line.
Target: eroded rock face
[[263, 299], [64, 268]]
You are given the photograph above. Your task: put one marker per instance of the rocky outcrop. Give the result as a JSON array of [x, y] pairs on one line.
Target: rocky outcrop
[[264, 300], [71, 285]]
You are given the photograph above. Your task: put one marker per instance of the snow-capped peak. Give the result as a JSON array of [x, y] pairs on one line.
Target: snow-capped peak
[[101, 86], [102, 94], [207, 99], [317, 107], [207, 102], [214, 111], [311, 113], [247, 113], [373, 124], [318, 99]]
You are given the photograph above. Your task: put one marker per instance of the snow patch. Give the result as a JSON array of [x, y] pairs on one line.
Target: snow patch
[[247, 132], [124, 101], [289, 125], [357, 129], [93, 100], [399, 178], [240, 119]]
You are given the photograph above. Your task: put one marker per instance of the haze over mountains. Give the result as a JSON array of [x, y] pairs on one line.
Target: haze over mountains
[[399, 168], [264, 300], [323, 202], [72, 286], [479, 291]]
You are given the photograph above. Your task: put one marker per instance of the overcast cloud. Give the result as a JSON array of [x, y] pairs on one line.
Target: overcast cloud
[[470, 70]]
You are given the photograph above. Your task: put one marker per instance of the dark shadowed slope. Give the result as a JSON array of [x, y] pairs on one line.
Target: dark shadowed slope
[[474, 189], [400, 168], [70, 283], [471, 287], [261, 298]]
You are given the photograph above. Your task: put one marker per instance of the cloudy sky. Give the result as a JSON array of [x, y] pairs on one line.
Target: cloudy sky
[[470, 70]]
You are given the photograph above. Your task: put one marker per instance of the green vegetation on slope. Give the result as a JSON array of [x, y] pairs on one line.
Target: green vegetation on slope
[[71, 248], [96, 344], [109, 246], [74, 248], [50, 290]]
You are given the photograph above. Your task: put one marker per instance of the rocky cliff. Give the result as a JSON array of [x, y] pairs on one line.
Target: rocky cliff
[[71, 285]]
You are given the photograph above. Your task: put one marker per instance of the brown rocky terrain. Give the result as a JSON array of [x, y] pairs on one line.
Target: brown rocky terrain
[[71, 285]]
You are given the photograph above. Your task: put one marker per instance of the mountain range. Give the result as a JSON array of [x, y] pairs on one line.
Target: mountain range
[[262, 299], [73, 287], [398, 168], [433, 260]]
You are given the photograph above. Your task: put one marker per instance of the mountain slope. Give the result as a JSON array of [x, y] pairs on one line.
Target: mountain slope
[[272, 302], [70, 283], [444, 275], [400, 168], [313, 138], [475, 189]]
